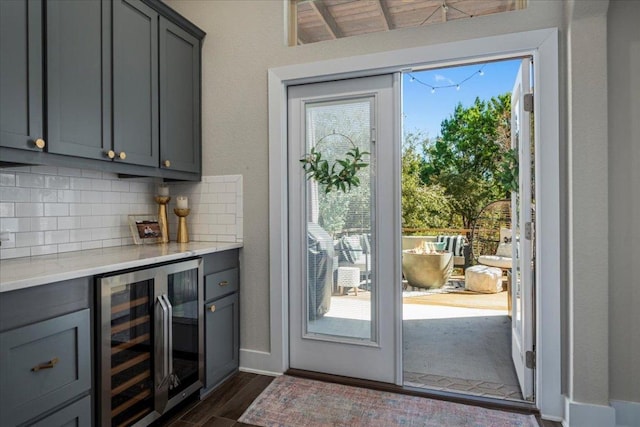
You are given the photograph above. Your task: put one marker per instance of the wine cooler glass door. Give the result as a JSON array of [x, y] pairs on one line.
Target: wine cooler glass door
[[186, 312], [127, 360]]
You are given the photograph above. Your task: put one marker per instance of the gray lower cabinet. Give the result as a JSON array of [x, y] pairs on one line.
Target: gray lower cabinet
[[179, 99], [221, 342], [44, 366], [21, 97], [222, 317], [77, 414]]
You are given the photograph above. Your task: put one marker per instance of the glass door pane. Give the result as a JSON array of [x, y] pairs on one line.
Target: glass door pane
[[131, 358], [339, 223], [183, 295]]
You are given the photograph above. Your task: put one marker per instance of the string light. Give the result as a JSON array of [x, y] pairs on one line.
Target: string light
[[458, 85]]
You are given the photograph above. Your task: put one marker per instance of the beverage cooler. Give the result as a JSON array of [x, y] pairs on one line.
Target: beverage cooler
[[150, 341]]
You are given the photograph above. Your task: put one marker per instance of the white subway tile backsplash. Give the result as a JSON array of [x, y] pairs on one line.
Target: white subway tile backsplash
[[120, 186], [43, 195], [70, 247], [68, 196], [7, 209], [15, 194], [91, 245], [14, 253], [53, 210], [29, 180], [77, 209], [69, 222], [55, 237], [56, 209], [7, 179], [80, 184], [100, 185], [29, 209], [44, 223], [57, 182], [31, 238]]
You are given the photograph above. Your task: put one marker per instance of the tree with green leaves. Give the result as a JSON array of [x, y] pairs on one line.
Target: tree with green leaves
[[423, 206], [472, 159]]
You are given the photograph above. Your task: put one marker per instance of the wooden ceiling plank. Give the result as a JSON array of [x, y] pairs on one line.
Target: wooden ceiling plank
[[386, 17], [329, 22]]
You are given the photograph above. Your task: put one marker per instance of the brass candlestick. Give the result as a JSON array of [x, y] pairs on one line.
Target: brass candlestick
[[183, 233], [163, 220]]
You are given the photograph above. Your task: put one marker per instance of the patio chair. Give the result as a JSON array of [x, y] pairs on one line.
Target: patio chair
[[355, 251], [491, 236]]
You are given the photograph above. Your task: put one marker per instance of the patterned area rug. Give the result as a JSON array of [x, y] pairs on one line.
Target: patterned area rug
[[290, 401]]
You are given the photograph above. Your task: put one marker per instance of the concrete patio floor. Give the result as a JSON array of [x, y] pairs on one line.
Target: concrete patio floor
[[454, 341]]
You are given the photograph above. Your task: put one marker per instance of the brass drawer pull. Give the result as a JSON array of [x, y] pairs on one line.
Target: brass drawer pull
[[48, 365], [223, 283], [122, 155], [110, 154], [212, 308], [166, 164], [40, 143]]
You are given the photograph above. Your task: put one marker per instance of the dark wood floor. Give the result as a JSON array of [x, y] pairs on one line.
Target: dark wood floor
[[224, 406]]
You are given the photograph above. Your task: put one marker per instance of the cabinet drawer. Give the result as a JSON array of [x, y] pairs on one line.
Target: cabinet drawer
[[44, 365], [77, 414], [221, 283]]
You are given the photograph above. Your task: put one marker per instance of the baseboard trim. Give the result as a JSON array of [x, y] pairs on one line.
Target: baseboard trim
[[627, 413], [259, 362], [579, 414]]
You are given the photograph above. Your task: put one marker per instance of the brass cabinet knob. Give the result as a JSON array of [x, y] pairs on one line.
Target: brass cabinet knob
[[40, 143], [122, 155], [166, 163], [111, 154], [212, 308]]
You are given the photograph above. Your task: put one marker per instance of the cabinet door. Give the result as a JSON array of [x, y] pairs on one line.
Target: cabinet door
[[222, 336], [44, 365], [179, 99], [21, 101], [77, 414], [135, 82], [79, 77]]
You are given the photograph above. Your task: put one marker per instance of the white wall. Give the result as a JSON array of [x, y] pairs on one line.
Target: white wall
[[624, 199], [245, 39]]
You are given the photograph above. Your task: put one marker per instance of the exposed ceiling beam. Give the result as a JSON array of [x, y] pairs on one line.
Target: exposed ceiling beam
[[386, 16], [327, 19]]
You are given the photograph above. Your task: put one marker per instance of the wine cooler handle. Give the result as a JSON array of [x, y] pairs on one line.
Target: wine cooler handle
[[166, 327], [170, 334]]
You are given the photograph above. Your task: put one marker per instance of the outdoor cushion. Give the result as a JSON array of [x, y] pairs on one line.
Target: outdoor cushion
[[453, 244], [349, 248], [504, 249], [495, 261], [481, 278]]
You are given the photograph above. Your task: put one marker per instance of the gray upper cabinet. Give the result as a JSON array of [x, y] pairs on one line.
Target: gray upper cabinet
[[21, 113], [78, 77], [135, 82], [179, 99], [110, 85]]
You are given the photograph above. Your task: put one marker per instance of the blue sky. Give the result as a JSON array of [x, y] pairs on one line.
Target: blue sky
[[424, 110]]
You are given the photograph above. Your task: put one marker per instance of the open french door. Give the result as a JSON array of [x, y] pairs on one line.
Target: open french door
[[346, 236], [522, 274]]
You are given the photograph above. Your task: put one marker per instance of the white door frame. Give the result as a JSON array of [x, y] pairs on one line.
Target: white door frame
[[543, 46]]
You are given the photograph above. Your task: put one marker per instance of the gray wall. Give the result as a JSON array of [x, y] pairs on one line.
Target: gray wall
[[624, 198]]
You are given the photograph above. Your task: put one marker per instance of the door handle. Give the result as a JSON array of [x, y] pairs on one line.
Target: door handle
[[173, 381], [164, 332]]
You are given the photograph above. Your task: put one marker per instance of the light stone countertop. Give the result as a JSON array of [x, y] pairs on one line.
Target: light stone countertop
[[19, 273]]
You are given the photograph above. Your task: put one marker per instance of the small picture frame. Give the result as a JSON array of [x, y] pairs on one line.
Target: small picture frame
[[145, 229]]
